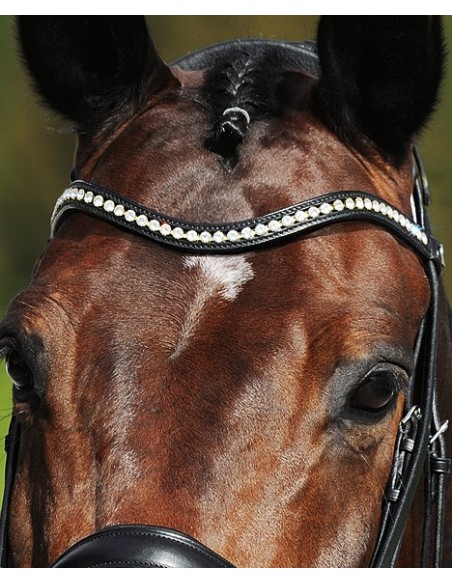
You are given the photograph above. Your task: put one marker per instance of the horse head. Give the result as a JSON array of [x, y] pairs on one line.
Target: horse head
[[243, 385]]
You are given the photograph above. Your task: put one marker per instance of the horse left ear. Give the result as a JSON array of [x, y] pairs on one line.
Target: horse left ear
[[95, 70], [380, 78]]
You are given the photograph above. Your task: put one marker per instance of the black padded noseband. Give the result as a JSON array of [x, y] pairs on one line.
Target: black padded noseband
[[139, 546]]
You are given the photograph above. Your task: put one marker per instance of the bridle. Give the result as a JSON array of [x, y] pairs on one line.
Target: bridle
[[420, 446], [420, 443]]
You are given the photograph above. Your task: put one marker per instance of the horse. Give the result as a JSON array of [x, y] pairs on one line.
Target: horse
[[235, 349]]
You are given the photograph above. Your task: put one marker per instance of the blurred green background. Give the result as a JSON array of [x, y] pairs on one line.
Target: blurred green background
[[36, 147]]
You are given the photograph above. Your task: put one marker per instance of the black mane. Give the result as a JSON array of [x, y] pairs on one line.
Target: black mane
[[239, 92], [243, 85]]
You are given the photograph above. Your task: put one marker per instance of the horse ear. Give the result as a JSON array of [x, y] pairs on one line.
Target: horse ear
[[94, 70], [380, 78]]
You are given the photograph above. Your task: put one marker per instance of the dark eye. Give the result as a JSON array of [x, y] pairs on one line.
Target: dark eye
[[375, 394], [20, 375]]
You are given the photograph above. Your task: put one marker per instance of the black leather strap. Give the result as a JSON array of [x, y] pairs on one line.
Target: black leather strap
[[396, 512], [140, 546], [249, 234], [12, 450], [290, 55]]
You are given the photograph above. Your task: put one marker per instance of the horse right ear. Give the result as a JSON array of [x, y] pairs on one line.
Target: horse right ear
[[380, 78], [95, 70]]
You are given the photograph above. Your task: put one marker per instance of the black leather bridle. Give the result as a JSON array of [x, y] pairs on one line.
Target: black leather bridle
[[420, 446]]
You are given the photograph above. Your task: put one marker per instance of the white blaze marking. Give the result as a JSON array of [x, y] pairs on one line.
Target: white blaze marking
[[222, 276]]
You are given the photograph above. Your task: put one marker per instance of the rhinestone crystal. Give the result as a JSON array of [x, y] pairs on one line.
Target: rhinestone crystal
[[301, 216], [192, 235], [233, 235], [98, 201], [287, 220], [141, 220], [205, 237], [109, 206], [130, 215], [247, 233], [326, 208], [219, 237], [154, 225], [274, 225], [313, 212], [178, 233], [165, 229], [261, 229]]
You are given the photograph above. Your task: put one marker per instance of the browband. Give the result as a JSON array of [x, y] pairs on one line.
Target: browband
[[244, 235]]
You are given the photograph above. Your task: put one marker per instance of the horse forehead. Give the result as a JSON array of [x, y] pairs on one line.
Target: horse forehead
[[160, 160], [346, 271]]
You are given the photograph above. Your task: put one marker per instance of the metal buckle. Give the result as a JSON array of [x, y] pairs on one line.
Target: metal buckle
[[404, 447], [413, 413]]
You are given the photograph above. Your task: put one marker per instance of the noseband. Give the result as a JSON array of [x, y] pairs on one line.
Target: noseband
[[420, 446]]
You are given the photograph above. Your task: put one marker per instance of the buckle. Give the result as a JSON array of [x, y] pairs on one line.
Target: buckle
[[413, 413], [404, 447], [436, 251]]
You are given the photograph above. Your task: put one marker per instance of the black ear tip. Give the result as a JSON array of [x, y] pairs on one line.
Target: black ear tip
[[380, 80], [94, 70]]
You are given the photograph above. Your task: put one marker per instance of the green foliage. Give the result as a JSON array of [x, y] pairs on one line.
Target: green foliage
[[5, 413]]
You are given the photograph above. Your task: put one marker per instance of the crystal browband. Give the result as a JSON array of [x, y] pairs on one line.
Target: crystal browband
[[242, 235]]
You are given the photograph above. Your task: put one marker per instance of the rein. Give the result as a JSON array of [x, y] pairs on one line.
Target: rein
[[420, 445]]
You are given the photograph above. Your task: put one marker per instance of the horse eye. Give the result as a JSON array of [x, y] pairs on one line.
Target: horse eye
[[375, 393], [20, 375]]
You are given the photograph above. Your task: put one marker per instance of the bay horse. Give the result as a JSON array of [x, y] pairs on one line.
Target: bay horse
[[235, 350]]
